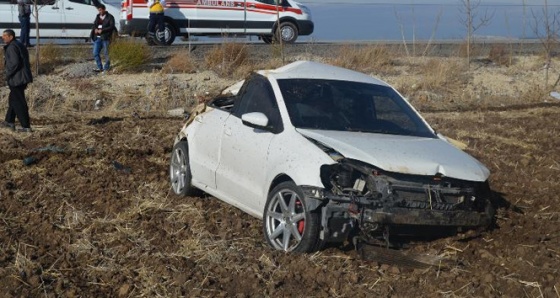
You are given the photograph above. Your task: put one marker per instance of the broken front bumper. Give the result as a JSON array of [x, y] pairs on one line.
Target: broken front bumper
[[424, 217]]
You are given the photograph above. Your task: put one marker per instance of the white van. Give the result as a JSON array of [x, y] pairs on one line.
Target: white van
[[221, 17], [57, 18]]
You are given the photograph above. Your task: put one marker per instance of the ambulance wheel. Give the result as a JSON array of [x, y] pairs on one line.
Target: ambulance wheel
[[169, 35], [288, 32]]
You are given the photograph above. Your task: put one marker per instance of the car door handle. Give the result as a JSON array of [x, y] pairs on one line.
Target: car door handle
[[227, 132], [252, 5], [54, 7], [69, 8]]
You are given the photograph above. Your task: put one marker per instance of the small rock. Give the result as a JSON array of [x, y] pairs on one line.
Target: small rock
[[123, 290], [488, 278]]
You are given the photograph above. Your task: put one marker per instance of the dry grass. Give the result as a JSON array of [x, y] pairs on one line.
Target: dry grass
[[442, 75], [500, 55], [180, 61], [227, 59], [50, 56], [364, 58], [461, 51]]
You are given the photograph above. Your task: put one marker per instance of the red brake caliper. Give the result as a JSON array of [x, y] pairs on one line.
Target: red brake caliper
[[301, 223]]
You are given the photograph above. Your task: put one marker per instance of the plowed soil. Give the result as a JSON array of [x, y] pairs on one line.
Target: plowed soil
[[92, 215]]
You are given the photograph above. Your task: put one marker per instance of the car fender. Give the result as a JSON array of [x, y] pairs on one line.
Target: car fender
[[293, 155]]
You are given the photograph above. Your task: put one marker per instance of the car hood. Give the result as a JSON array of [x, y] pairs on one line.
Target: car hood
[[402, 154]]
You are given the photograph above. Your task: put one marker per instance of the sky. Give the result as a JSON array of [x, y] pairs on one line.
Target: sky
[[371, 20]]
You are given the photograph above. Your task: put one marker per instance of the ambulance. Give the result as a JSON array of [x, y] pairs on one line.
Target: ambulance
[[57, 18], [222, 17]]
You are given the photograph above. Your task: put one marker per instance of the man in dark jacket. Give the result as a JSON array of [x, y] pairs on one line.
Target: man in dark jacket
[[101, 34], [18, 75]]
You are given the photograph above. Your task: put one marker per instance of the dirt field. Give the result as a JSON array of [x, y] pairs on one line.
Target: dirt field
[[92, 214]]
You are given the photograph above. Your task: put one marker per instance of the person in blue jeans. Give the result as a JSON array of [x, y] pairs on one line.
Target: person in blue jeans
[[101, 34], [24, 14]]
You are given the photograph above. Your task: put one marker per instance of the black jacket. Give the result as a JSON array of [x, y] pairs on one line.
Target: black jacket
[[107, 25], [16, 64]]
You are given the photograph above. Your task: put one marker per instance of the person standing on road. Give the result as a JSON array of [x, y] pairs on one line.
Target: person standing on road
[[101, 34], [156, 8], [24, 9], [18, 74]]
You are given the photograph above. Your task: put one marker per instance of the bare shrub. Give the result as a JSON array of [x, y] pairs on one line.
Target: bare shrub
[[128, 54], [443, 75], [181, 61], [225, 58], [534, 94], [466, 51], [363, 58], [500, 55], [50, 56]]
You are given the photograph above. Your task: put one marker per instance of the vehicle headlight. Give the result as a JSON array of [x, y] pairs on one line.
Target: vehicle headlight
[[306, 10]]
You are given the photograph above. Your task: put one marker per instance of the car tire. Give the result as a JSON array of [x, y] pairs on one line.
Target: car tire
[[268, 39], [288, 32], [180, 170], [288, 224], [169, 34]]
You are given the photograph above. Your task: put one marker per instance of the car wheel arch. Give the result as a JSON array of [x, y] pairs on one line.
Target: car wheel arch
[[281, 178], [277, 180], [282, 21]]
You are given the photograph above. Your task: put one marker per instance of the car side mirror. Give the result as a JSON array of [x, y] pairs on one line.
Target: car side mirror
[[255, 120]]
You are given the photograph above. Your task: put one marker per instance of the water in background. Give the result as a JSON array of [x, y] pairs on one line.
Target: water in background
[[340, 22]]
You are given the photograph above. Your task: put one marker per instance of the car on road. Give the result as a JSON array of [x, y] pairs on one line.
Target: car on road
[[324, 154], [59, 19], [270, 20]]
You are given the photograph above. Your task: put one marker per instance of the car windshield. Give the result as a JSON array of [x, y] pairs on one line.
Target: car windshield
[[350, 106]]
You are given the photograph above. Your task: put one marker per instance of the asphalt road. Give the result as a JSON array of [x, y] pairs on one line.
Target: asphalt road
[[328, 49]]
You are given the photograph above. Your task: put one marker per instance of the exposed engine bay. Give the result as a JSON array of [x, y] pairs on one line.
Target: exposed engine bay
[[358, 196]]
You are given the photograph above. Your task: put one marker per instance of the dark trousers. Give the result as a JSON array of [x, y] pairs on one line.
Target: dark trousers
[[25, 23], [159, 20], [17, 106]]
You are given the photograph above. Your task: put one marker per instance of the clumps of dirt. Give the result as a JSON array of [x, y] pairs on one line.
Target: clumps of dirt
[[97, 218]]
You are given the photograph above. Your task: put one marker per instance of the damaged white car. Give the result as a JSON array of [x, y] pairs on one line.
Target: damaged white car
[[322, 154]]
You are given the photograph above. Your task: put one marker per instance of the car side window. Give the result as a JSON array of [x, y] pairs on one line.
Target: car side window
[[87, 2], [271, 2], [258, 96], [39, 2]]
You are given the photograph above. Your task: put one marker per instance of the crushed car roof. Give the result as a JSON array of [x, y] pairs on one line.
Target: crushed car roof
[[316, 70]]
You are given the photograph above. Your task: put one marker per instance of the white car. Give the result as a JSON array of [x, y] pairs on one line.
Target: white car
[[323, 153], [71, 19]]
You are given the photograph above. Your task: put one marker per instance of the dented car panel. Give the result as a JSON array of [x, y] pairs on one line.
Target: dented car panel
[[322, 153], [409, 155]]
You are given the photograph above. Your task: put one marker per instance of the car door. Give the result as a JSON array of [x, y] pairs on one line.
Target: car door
[[8, 11], [261, 15], [244, 150], [204, 146], [78, 17], [50, 19]]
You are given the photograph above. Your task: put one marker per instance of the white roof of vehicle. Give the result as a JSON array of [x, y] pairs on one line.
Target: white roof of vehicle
[[316, 70]]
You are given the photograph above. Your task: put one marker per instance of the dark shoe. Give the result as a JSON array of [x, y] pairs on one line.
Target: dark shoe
[[98, 70], [25, 129], [8, 125]]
